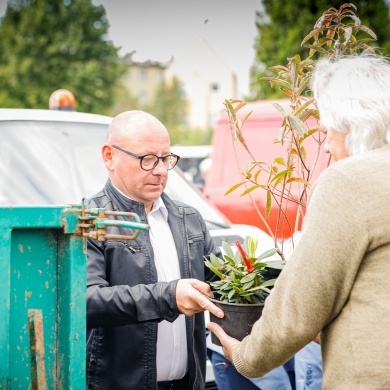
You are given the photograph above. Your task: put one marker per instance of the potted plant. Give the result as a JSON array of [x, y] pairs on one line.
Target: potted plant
[[245, 279], [288, 177]]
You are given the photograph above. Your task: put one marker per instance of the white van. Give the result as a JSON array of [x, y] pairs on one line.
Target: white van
[[50, 157]]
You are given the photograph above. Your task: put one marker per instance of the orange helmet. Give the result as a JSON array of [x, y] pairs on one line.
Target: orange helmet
[[62, 99]]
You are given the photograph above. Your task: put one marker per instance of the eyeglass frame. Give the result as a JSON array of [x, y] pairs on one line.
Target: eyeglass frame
[[162, 158]]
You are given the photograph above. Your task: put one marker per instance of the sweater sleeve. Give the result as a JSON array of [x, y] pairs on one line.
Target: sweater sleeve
[[315, 283]]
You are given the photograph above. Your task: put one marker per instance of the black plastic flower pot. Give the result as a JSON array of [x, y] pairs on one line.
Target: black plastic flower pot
[[238, 320]]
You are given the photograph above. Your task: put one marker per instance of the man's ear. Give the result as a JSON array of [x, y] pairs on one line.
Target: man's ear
[[108, 157]]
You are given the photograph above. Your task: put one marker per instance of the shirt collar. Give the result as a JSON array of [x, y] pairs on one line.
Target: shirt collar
[[157, 205]]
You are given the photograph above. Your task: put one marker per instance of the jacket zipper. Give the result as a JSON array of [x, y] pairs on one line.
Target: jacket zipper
[[191, 319]]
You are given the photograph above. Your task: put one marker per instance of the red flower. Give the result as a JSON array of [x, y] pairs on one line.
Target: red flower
[[247, 263]]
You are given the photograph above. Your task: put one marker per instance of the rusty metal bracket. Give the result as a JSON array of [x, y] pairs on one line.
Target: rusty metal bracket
[[37, 347], [93, 223]]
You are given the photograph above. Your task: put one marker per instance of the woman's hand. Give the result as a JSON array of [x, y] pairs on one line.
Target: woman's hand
[[228, 343]]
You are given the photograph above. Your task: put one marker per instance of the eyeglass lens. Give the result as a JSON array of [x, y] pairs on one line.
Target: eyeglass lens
[[150, 161]]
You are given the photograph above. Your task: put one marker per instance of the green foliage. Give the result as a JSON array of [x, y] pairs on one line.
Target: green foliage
[[240, 282], [282, 23], [124, 101], [190, 137], [51, 44], [170, 105]]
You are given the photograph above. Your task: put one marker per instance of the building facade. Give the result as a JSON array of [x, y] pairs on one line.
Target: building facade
[[206, 81]]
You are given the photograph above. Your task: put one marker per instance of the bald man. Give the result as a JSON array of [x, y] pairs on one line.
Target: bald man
[[146, 297]]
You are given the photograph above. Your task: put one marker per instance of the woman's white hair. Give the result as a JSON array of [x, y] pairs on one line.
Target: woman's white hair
[[353, 96]]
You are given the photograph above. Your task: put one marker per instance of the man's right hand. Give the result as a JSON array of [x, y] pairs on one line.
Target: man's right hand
[[191, 298]]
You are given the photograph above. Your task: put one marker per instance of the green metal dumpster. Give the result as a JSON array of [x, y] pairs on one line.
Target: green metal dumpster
[[42, 293]]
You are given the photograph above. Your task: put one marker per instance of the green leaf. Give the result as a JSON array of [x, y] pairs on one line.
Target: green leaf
[[268, 283], [234, 187], [268, 203], [298, 180], [229, 259], [207, 262], [226, 286], [368, 31], [250, 189], [251, 243], [276, 264], [299, 127], [268, 253], [231, 294], [216, 271], [237, 257], [215, 261], [262, 287], [280, 82], [267, 290], [233, 271], [255, 178], [255, 299], [280, 109], [227, 249], [280, 175], [246, 286], [259, 266], [316, 48], [247, 116], [248, 278], [309, 133]]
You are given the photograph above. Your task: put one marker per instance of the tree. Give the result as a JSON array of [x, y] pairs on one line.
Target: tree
[[51, 44], [282, 23], [169, 106]]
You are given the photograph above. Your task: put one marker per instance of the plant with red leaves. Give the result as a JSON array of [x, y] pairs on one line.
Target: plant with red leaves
[[243, 275]]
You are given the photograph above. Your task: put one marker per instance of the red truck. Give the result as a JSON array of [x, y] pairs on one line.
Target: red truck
[[229, 160]]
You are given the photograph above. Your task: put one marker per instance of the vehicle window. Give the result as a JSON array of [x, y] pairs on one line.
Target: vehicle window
[[50, 162]]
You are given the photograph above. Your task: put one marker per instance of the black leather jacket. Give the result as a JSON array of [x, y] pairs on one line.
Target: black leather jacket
[[125, 302]]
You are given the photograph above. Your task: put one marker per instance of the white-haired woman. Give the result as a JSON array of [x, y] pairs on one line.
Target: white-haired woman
[[337, 282]]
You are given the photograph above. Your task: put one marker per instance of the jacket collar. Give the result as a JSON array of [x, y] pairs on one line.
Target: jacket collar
[[126, 204]]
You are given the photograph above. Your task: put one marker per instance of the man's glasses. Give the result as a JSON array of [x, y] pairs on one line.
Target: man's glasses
[[150, 161]]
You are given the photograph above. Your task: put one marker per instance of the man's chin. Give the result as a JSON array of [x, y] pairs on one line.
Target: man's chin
[[154, 195]]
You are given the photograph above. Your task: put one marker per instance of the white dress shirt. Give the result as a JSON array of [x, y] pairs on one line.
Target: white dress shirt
[[172, 356]]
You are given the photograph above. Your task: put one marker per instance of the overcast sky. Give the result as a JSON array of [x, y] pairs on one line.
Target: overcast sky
[[160, 29]]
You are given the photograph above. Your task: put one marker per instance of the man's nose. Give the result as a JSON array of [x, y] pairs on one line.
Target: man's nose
[[160, 167]]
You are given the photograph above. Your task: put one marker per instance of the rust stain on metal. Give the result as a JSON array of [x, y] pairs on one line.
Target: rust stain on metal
[[37, 347], [20, 247]]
